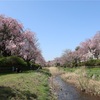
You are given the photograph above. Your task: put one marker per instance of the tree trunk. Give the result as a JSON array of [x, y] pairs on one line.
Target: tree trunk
[[28, 63]]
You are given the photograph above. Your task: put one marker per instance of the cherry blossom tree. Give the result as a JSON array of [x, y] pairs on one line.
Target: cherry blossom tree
[[96, 45], [14, 40], [90, 48], [10, 34], [40, 60], [29, 51]]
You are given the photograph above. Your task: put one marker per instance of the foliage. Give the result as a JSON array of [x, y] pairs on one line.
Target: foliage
[[93, 62], [36, 67], [15, 40], [6, 63], [83, 54]]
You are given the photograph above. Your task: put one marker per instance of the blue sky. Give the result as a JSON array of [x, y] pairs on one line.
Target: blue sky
[[59, 24]]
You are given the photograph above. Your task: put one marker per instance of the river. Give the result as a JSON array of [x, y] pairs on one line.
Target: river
[[66, 91]]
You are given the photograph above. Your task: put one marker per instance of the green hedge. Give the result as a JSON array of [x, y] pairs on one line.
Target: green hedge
[[93, 62], [6, 63], [36, 66]]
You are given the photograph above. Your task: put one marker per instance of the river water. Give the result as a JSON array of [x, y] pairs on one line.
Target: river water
[[66, 91]]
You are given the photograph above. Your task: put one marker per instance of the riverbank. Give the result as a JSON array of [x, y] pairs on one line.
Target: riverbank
[[53, 86], [83, 80], [63, 90], [29, 85]]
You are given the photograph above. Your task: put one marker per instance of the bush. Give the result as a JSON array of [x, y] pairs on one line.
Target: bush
[[6, 63], [81, 63], [89, 63], [36, 66], [93, 62]]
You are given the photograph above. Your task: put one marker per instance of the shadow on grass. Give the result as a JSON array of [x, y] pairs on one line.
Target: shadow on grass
[[7, 93], [5, 73]]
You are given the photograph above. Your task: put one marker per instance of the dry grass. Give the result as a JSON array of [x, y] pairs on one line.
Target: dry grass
[[53, 85], [55, 71], [80, 79], [70, 77]]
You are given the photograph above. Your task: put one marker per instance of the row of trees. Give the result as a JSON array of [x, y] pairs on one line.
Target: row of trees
[[89, 49], [15, 40]]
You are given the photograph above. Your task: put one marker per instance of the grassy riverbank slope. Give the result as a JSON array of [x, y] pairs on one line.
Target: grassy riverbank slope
[[86, 79], [30, 85]]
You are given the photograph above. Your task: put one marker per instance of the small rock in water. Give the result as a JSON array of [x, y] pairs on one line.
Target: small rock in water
[[83, 90]]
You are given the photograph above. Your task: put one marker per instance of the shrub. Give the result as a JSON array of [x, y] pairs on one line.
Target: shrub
[[93, 62], [6, 63], [36, 66]]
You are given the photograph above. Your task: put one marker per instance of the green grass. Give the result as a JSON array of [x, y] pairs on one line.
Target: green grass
[[94, 72], [67, 69], [90, 72], [30, 85]]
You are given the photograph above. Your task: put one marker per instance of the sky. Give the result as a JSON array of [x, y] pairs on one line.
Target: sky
[[58, 24]]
